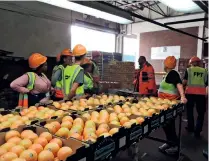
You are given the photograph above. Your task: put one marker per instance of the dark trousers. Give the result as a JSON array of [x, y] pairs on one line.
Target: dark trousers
[[170, 132], [33, 99], [200, 102]]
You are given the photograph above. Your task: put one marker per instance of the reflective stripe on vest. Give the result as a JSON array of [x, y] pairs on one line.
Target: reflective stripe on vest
[[70, 73], [197, 77], [23, 98], [60, 84], [168, 88], [88, 81]]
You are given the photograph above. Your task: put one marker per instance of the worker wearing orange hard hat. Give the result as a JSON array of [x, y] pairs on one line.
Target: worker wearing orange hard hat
[[57, 63], [144, 82], [34, 86], [74, 74], [171, 88], [65, 59], [196, 82], [87, 65]]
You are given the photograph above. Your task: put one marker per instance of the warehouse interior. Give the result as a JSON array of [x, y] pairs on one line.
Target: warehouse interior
[[115, 34]]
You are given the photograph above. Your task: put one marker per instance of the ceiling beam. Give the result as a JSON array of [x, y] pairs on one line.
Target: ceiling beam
[[160, 8], [155, 22], [148, 7], [186, 21], [130, 4], [202, 6]]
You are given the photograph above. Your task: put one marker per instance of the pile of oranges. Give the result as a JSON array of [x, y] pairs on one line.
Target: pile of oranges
[[79, 129], [28, 146]]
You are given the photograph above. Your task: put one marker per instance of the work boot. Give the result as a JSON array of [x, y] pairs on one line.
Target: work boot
[[205, 153], [163, 147], [172, 150]]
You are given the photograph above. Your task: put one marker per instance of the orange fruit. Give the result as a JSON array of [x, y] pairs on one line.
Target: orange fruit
[[46, 155], [18, 149], [76, 136], [9, 156], [29, 155], [78, 121], [53, 147], [67, 118], [11, 134], [56, 124], [16, 140], [16, 124], [2, 151], [67, 124], [26, 143], [101, 131], [64, 152], [58, 141], [32, 137], [18, 159], [40, 108], [56, 159], [52, 129], [46, 135], [26, 133], [7, 146], [37, 148], [42, 141]]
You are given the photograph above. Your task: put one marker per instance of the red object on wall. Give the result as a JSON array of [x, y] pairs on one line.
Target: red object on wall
[[168, 38]]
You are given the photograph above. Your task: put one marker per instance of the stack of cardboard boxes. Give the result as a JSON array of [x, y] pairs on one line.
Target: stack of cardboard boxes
[[121, 72]]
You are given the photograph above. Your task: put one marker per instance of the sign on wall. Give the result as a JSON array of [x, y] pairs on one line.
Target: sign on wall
[[165, 51]]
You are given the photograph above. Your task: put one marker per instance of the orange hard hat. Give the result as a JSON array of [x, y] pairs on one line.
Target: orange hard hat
[[170, 62], [58, 57], [194, 59], [86, 61], [66, 52], [79, 50], [36, 59]]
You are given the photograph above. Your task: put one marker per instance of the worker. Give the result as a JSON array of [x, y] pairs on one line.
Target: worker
[[57, 77], [74, 74], [171, 88], [34, 86], [57, 63], [88, 80], [96, 76], [196, 82], [145, 81]]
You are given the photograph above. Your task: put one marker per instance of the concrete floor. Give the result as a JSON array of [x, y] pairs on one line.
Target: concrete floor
[[191, 147]]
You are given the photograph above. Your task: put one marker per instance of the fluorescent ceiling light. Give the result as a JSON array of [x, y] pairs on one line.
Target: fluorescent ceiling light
[[87, 10], [181, 5]]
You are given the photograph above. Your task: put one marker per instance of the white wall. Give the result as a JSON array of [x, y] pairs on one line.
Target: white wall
[[27, 27], [142, 27]]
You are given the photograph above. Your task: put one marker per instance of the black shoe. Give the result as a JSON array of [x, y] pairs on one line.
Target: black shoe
[[172, 150], [163, 147], [189, 130], [205, 153]]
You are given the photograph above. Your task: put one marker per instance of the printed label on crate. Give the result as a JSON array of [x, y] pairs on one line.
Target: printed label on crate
[[104, 149], [169, 115], [162, 119], [155, 123], [136, 132], [122, 142], [180, 109], [145, 129], [83, 159], [174, 113]]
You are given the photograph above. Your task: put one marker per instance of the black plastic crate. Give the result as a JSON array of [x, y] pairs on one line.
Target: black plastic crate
[[106, 148], [154, 122]]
